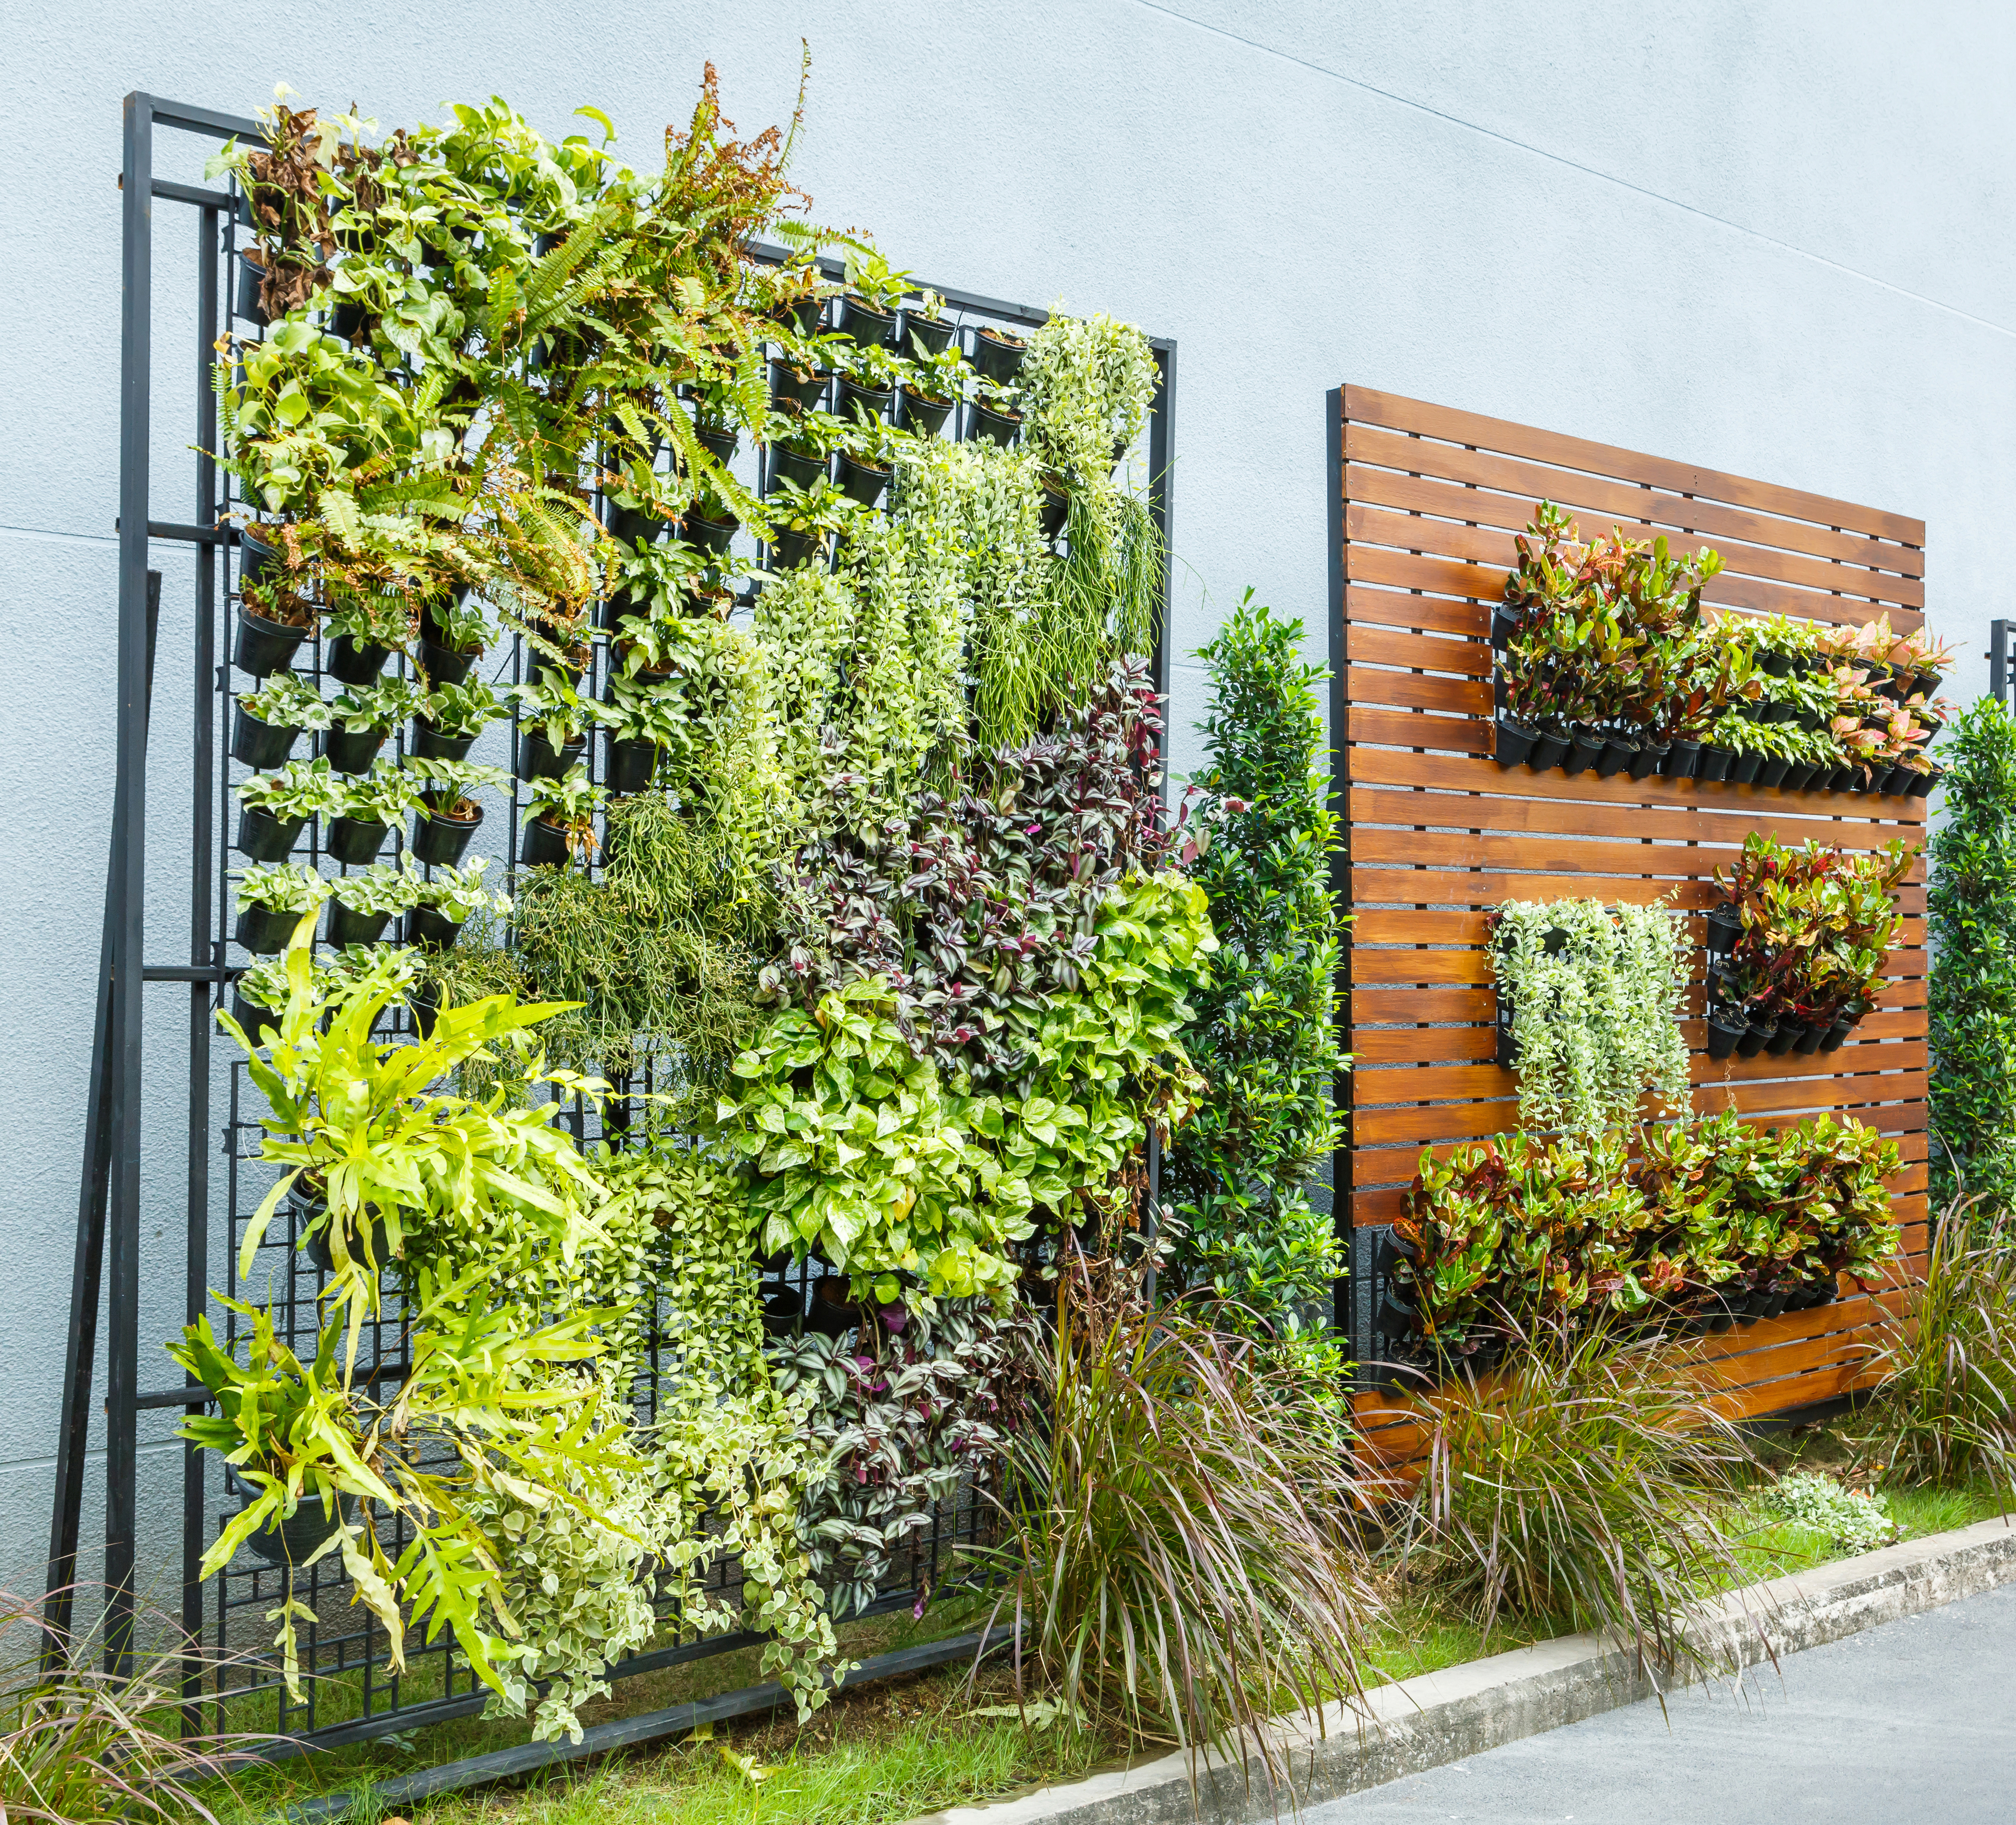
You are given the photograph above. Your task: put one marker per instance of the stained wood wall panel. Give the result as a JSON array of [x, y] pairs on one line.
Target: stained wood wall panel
[[1437, 834]]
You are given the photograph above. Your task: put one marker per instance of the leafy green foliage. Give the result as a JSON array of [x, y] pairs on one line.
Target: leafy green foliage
[[1265, 1034], [1852, 1519], [1970, 922]]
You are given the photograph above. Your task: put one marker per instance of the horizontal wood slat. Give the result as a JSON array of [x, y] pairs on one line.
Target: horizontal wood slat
[[1437, 834]]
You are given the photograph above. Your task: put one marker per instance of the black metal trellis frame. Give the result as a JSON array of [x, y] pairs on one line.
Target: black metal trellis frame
[[107, 1262]]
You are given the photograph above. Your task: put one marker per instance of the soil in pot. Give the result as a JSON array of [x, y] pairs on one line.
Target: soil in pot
[[545, 846], [264, 837], [355, 842], [538, 759], [1002, 427], [264, 647], [1513, 741], [923, 415], [796, 467], [441, 837], [1549, 746], [629, 765], [998, 355], [353, 751], [257, 743], [1648, 760], [1681, 757], [264, 931], [430, 929], [348, 927], [354, 664], [862, 481]]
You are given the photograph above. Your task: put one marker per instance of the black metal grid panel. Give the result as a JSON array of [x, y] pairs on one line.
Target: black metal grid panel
[[354, 1694]]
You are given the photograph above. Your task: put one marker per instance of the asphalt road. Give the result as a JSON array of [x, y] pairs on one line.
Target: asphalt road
[[1912, 1723]]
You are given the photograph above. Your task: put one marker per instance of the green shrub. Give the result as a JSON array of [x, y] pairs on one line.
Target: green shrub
[[1264, 1036], [1854, 1522], [1972, 926]]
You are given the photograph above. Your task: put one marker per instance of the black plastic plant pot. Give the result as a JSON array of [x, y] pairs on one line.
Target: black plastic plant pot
[[998, 358], [796, 467], [1504, 624], [634, 527], [1756, 1036], [355, 842], [925, 416], [862, 481], [1056, 512], [1772, 772], [430, 744], [545, 845], [303, 1533], [347, 319], [1774, 665], [710, 535], [1922, 784], [856, 400], [1713, 763], [431, 930], [257, 743], [324, 1257], [1744, 769], [354, 664], [1681, 756], [720, 441], [804, 316], [1799, 776], [264, 931], [1723, 1038], [1512, 741], [790, 549], [1722, 929], [934, 333], [444, 665], [1548, 748], [1811, 1034], [793, 388], [251, 1016], [251, 277], [569, 672], [442, 840], [264, 647], [1837, 1033], [347, 925], [352, 752], [1785, 1039], [1617, 755], [865, 325], [1002, 428], [538, 759], [1583, 751], [1507, 1049], [264, 837], [628, 765], [1648, 760]]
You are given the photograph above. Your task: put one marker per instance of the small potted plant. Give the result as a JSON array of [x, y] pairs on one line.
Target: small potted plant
[[559, 820], [632, 495], [994, 419], [553, 727], [361, 719], [651, 579], [797, 389], [273, 807], [362, 905], [998, 353], [803, 522], [558, 651], [354, 657], [710, 527], [868, 307], [865, 466], [443, 906], [453, 635], [272, 622], [638, 722], [368, 805], [868, 387], [265, 723], [273, 899], [450, 816], [926, 329], [449, 720]]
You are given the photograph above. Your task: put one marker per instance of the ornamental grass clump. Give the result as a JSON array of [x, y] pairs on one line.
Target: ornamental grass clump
[[1180, 1555], [1587, 1481], [1594, 995]]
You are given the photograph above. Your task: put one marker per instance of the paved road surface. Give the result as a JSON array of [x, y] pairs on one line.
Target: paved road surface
[[1912, 1723]]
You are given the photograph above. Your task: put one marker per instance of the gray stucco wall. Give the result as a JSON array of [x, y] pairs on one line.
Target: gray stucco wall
[[1767, 240]]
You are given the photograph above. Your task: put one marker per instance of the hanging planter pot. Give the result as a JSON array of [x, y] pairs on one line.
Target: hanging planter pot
[[354, 664], [253, 1017], [348, 927], [1724, 1030], [797, 391], [1922, 784], [546, 845], [1722, 928], [324, 1257], [347, 319], [921, 414], [862, 481], [1504, 625], [1799, 776], [1774, 665], [256, 556], [1783, 1040], [1618, 752], [1744, 768], [430, 744], [720, 441], [352, 752], [1649, 759], [1056, 512], [257, 743], [1772, 772], [538, 759], [1759, 1034], [1713, 763], [934, 334], [627, 765], [263, 646], [1811, 1034], [1002, 426], [1837, 1033], [790, 549], [714, 536], [431, 930], [440, 839], [857, 400], [251, 279], [1586, 745], [865, 325], [805, 316], [998, 355], [796, 466], [295, 1540], [1513, 741], [1681, 756], [264, 931], [633, 526], [355, 842], [264, 837], [1549, 746], [444, 665]]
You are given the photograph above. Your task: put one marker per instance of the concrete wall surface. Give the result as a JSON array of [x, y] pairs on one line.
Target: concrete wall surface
[[1769, 240]]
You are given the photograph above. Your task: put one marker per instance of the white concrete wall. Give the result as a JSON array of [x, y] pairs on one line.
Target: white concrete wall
[[1771, 239]]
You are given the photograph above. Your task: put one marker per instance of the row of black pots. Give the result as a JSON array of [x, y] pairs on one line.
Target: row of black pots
[[1741, 1033], [794, 390], [264, 932], [264, 647]]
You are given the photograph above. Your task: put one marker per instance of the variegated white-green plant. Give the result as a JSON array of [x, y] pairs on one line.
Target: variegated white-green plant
[[1596, 1018]]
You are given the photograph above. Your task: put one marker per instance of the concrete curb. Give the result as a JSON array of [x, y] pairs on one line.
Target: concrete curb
[[1444, 1717]]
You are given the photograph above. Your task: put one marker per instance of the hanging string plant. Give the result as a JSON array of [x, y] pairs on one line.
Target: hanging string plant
[[1590, 1002]]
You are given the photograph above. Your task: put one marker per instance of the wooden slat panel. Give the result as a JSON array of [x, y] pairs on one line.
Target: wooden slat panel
[[1398, 729]]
